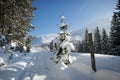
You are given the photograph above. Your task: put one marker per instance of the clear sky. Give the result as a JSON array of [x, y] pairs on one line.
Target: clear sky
[[78, 14]]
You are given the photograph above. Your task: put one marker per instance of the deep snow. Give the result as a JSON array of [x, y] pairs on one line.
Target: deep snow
[[38, 66]]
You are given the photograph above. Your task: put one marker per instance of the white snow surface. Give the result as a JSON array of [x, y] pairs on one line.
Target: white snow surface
[[38, 66], [68, 45]]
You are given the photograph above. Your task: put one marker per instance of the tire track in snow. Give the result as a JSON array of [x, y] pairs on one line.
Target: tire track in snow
[[37, 66]]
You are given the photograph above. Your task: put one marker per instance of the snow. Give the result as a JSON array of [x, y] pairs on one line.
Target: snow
[[37, 65], [37, 77], [1, 61], [106, 75], [63, 17], [68, 45]]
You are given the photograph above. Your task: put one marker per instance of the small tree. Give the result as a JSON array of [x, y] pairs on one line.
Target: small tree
[[64, 46]]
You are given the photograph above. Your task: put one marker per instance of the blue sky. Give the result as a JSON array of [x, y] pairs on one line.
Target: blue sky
[[78, 14]]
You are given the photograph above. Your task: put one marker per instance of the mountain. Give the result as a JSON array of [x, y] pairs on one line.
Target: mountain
[[101, 23], [77, 34], [47, 38]]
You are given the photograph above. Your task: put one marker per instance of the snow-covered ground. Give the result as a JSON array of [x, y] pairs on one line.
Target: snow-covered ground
[[38, 66]]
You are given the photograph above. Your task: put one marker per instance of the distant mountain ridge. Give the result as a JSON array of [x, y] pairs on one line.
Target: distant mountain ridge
[[77, 34], [44, 39]]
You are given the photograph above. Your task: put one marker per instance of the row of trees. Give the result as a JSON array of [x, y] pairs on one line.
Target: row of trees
[[104, 43], [15, 18], [100, 42]]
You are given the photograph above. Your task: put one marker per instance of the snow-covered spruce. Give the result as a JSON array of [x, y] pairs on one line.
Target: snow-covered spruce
[[62, 46]]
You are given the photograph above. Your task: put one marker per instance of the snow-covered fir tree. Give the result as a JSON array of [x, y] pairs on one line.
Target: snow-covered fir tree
[[115, 32], [62, 45], [104, 42], [97, 41], [86, 50]]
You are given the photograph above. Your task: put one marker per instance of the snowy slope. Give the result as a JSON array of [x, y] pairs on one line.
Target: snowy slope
[[38, 66]]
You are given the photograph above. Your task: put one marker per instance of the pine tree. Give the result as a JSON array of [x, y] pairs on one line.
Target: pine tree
[[97, 41], [115, 32], [15, 18], [104, 42], [86, 50]]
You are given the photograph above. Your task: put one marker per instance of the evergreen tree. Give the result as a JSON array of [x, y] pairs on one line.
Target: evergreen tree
[[115, 32], [104, 42], [15, 18], [86, 49], [64, 46], [97, 41]]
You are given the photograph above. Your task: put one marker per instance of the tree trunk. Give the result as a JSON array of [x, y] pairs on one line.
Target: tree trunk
[[90, 43]]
